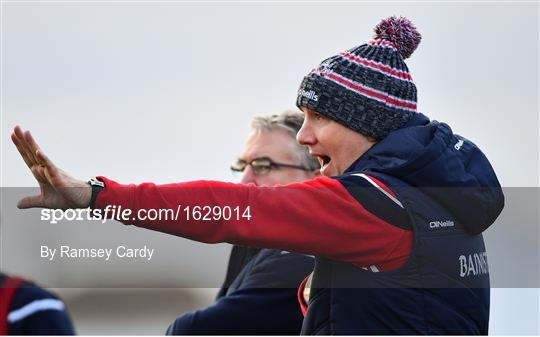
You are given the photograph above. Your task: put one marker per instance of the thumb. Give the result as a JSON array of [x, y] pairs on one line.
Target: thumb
[[30, 202]]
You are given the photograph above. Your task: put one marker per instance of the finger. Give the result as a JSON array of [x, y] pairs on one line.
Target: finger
[[23, 144], [18, 132], [14, 138], [42, 158], [22, 151], [30, 202], [46, 174], [32, 145]]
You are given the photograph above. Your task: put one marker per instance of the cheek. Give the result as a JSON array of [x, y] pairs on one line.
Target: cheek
[[329, 138], [329, 145]]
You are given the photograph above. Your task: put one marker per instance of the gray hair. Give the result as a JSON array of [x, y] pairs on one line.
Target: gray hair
[[289, 121]]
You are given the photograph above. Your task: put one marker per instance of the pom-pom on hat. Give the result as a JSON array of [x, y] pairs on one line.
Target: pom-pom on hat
[[367, 88]]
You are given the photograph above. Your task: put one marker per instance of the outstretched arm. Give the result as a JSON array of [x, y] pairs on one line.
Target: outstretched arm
[[319, 217], [316, 217]]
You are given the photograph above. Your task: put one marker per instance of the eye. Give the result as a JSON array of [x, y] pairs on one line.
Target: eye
[[318, 116]]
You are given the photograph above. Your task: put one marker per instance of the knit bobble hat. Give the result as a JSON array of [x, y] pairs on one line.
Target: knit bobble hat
[[367, 88]]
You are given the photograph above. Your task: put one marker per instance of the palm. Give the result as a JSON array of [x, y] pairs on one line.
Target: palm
[[58, 189]]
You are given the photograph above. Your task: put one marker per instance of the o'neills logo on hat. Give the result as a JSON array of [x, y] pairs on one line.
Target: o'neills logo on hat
[[309, 94]]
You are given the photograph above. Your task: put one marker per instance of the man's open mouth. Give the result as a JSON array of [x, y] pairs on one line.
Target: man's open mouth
[[324, 160]]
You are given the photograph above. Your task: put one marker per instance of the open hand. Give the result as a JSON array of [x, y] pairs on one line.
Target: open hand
[[58, 189]]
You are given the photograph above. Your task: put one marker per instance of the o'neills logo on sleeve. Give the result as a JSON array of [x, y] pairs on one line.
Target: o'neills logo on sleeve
[[308, 94]]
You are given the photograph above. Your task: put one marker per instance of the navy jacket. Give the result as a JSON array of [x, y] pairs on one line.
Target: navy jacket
[[406, 218], [261, 300], [450, 194], [239, 258]]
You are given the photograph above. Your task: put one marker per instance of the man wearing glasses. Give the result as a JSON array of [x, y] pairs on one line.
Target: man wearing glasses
[[259, 292]]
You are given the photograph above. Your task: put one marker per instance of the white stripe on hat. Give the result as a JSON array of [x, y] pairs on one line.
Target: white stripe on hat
[[383, 43], [378, 67], [386, 98]]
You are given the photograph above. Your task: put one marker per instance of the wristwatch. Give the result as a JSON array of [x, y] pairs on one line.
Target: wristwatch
[[97, 185]]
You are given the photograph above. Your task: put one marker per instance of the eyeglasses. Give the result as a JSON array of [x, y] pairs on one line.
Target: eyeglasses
[[262, 166]]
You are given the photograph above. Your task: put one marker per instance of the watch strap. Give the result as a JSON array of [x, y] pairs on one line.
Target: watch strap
[[97, 185]]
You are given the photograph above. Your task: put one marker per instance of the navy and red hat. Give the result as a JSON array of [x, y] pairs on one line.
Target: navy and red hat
[[367, 88]]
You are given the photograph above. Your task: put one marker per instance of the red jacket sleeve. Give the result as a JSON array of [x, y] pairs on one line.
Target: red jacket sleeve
[[317, 217]]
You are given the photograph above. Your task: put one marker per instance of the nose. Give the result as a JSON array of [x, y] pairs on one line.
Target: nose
[[305, 135], [249, 176]]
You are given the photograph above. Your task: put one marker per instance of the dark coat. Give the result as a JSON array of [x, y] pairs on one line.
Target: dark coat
[[451, 195], [260, 300]]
